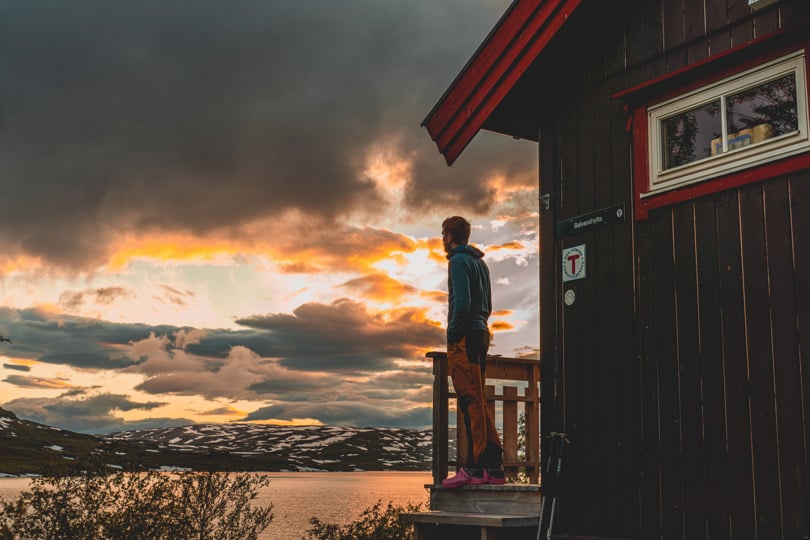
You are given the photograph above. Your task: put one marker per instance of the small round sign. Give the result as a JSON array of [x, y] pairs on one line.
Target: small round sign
[[570, 296]]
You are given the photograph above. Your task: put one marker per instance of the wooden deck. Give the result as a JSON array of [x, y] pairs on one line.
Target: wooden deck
[[521, 453], [487, 512]]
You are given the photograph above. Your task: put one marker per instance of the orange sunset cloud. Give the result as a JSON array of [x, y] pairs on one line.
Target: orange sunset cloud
[[502, 326], [379, 287]]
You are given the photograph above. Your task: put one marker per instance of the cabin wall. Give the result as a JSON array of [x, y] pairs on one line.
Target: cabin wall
[[683, 379]]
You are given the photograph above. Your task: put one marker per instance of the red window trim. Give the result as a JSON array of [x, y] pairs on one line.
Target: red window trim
[[679, 82]]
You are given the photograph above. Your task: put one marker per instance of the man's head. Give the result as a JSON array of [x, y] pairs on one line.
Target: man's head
[[455, 230]]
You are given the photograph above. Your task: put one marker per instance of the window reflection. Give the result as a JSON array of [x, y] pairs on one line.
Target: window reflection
[[752, 116], [762, 112], [687, 136]]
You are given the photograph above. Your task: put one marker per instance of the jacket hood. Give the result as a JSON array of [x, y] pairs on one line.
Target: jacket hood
[[468, 249]]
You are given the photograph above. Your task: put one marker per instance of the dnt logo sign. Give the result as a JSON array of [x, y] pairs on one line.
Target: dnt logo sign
[[573, 263]]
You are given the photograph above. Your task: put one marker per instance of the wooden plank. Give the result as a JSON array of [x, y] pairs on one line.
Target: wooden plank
[[551, 413], [440, 419], [608, 374], [800, 216], [794, 11], [691, 425], [694, 19], [644, 29], [741, 26], [787, 370], [486, 499], [695, 29], [665, 351], [674, 34], [760, 366], [766, 21], [738, 470], [719, 41], [471, 519], [590, 392], [649, 469], [510, 426], [626, 372], [462, 441], [711, 361], [572, 346], [673, 24], [533, 426]]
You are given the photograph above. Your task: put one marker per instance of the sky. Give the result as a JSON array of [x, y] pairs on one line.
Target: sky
[[222, 212]]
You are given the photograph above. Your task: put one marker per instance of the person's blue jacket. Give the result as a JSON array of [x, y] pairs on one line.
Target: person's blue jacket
[[470, 292]]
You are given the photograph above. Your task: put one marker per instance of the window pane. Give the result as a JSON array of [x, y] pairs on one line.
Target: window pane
[[762, 112], [687, 137]]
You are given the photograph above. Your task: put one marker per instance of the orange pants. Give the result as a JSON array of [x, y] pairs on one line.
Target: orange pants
[[467, 366]]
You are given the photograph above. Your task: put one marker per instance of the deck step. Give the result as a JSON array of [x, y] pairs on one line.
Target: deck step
[[473, 520], [507, 499], [434, 525]]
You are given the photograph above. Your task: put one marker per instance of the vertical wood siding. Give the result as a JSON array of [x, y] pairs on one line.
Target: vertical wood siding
[[724, 377], [683, 364]]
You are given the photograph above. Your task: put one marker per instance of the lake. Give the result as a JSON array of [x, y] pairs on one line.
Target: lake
[[332, 497]]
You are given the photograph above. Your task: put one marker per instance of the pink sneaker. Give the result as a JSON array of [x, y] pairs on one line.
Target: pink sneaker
[[462, 478], [496, 479]]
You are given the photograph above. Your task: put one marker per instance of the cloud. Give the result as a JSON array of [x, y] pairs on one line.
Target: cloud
[[17, 367], [37, 382], [297, 354], [379, 286], [58, 338], [501, 326], [151, 119], [173, 296], [72, 301], [223, 411], [347, 414], [87, 414], [345, 336]]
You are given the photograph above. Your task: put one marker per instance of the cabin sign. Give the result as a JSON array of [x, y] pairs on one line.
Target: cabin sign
[[573, 263]]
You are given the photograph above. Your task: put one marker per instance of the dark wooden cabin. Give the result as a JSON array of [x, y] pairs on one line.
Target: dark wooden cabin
[[675, 163]]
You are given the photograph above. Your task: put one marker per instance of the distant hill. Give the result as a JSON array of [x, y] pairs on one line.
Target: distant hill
[[31, 448]]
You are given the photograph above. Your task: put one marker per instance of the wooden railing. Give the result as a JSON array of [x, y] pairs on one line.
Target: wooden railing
[[504, 370]]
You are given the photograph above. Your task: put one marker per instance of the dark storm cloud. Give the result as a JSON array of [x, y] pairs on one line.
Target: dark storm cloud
[[87, 414], [347, 414], [164, 115], [345, 336], [75, 341], [341, 336]]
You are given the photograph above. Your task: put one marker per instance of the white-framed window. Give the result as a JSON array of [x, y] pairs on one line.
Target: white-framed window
[[750, 118]]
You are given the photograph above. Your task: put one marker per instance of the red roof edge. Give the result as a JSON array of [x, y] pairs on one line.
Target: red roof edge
[[513, 44]]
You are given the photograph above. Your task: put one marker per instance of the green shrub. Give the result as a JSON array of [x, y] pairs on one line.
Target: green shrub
[[374, 524], [91, 503]]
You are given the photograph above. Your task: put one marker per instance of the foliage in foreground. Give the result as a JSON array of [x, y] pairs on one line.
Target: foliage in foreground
[[374, 524], [91, 503]]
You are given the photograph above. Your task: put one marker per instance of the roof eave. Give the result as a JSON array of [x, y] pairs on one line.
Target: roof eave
[[510, 48]]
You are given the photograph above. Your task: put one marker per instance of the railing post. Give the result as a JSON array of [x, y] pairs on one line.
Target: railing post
[[440, 416], [533, 424], [510, 428], [498, 368]]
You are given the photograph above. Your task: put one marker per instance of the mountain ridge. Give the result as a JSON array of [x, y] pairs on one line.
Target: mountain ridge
[[30, 448]]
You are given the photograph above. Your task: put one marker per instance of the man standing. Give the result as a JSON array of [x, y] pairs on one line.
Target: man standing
[[469, 307]]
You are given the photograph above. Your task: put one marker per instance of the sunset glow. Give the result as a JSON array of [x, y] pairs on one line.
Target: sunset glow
[[212, 227]]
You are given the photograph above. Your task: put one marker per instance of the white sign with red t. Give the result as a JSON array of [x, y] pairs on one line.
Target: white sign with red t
[[573, 263]]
